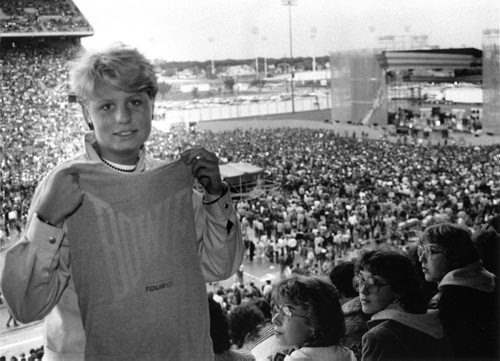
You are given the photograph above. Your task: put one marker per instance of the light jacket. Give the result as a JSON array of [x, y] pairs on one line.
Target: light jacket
[[330, 353], [37, 283]]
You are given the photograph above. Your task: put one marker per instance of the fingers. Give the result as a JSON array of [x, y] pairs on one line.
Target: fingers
[[198, 154], [205, 167]]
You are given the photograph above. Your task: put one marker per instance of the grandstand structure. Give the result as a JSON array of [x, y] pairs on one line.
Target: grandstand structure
[[38, 127], [20, 19], [372, 86]]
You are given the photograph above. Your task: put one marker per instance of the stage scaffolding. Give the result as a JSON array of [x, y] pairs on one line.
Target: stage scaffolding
[[491, 81], [359, 92]]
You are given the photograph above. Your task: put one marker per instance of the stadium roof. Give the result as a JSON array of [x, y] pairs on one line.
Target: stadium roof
[[460, 58], [231, 170]]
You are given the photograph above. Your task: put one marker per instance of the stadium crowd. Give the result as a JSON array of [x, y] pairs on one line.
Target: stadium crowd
[[32, 16], [336, 194]]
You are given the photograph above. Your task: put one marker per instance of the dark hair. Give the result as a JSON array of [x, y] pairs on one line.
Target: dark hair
[[245, 321], [397, 269], [456, 242], [219, 329], [494, 222], [487, 243], [341, 277], [262, 304], [321, 300]]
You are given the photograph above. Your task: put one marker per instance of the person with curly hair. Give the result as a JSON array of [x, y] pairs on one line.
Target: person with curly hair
[[308, 319]]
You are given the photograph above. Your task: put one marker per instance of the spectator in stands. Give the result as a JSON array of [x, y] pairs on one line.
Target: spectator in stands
[[219, 333], [429, 289], [267, 288], [245, 323], [254, 334], [342, 277], [467, 296], [487, 242], [11, 318], [494, 223], [117, 88], [399, 328], [308, 318]]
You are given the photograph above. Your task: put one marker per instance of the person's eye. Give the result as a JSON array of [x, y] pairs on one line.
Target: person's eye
[[136, 102], [106, 107]]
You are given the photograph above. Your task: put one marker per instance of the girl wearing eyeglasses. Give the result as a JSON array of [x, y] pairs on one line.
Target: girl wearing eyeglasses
[[308, 319], [399, 328], [467, 296]]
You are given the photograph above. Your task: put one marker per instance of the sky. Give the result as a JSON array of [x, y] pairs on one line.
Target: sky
[[181, 30]]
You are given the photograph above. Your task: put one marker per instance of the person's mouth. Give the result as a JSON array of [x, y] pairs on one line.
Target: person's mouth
[[125, 133]]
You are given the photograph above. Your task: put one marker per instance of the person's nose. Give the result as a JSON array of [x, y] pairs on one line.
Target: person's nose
[[422, 258], [276, 319], [363, 288], [123, 114]]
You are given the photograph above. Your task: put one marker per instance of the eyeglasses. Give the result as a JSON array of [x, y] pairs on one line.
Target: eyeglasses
[[285, 312], [371, 285], [428, 251]]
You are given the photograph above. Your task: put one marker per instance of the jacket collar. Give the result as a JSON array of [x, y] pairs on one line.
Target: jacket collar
[[427, 323], [90, 143], [473, 276]]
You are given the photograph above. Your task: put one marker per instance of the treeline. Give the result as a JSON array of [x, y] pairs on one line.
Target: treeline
[[299, 63]]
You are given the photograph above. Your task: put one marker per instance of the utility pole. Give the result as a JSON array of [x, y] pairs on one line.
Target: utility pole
[[290, 3]]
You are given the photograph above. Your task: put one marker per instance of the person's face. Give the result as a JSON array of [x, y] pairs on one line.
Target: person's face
[[122, 122], [375, 293], [434, 262], [290, 324]]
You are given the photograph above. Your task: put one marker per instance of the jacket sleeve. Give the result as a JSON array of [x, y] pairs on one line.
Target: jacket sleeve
[[220, 245], [36, 269]]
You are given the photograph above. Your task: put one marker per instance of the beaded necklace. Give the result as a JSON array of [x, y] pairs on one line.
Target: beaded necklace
[[116, 168]]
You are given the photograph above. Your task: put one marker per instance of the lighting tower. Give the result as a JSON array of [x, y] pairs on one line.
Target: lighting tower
[[290, 3]]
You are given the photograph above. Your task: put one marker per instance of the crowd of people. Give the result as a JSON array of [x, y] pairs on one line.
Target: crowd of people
[[37, 131], [437, 300], [32, 355], [337, 194], [34, 16], [340, 193]]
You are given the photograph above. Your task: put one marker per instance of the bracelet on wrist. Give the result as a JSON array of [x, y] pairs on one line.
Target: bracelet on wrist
[[44, 220], [226, 189]]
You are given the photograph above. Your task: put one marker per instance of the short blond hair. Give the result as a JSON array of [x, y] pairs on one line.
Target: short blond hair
[[118, 66]]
